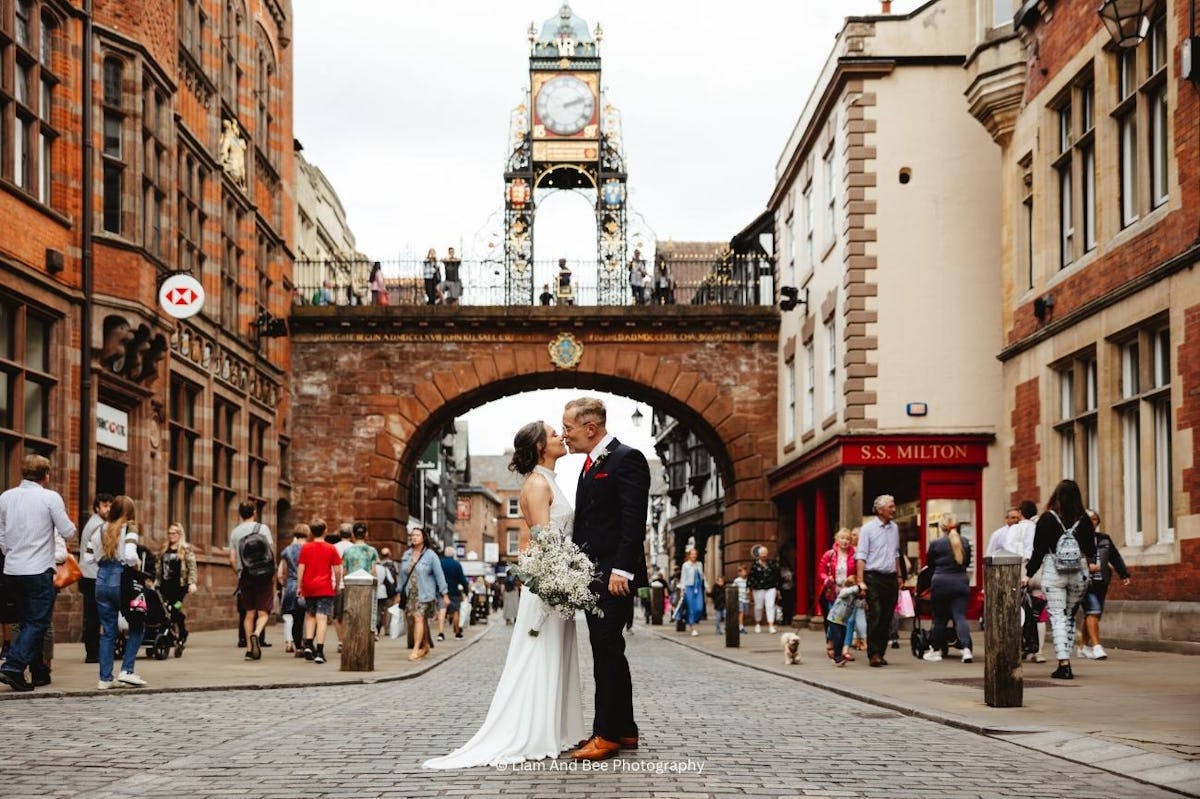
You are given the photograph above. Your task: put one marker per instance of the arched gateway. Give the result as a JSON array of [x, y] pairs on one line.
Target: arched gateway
[[373, 385]]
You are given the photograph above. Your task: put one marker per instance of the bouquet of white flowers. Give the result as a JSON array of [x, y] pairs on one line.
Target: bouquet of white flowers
[[559, 572]]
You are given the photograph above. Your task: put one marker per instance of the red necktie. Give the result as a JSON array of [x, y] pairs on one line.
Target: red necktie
[[587, 464]]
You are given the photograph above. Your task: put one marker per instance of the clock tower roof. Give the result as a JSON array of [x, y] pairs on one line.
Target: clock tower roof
[[566, 33]]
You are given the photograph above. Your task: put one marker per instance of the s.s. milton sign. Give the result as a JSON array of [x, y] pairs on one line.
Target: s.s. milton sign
[[914, 453], [112, 427]]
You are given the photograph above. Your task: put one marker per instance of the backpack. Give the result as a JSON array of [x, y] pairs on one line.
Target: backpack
[[255, 551], [1067, 553]]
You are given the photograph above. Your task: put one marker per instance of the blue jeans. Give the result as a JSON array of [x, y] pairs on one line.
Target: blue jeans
[[35, 602], [108, 603]]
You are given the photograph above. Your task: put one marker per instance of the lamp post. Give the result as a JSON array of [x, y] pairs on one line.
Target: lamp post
[[1127, 21]]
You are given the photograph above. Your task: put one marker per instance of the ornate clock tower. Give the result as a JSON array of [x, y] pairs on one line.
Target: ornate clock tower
[[565, 136]]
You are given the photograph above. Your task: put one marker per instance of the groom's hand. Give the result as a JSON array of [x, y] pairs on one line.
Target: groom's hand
[[618, 585]]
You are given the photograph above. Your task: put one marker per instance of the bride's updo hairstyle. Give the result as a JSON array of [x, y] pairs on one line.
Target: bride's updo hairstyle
[[528, 444]]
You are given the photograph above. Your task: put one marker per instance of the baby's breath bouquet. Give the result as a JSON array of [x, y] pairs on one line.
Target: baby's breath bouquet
[[559, 572]]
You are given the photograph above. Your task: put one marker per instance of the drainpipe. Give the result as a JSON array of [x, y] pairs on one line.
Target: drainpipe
[[87, 422]]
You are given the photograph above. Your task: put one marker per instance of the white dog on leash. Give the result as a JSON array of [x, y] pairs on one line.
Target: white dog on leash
[[791, 649]]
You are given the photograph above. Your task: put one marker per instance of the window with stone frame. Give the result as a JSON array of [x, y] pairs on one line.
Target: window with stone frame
[[831, 367], [810, 386], [264, 254], [264, 80], [156, 168], [224, 496], [285, 462], [256, 459], [514, 507], [114, 155], [183, 462], [193, 31], [1076, 428], [810, 255], [233, 42], [1025, 231], [30, 33], [830, 162], [231, 264], [1144, 417], [789, 399], [191, 187], [1075, 168], [513, 541], [27, 385], [1141, 106]]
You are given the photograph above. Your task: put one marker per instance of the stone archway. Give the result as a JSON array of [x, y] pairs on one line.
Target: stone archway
[[373, 385]]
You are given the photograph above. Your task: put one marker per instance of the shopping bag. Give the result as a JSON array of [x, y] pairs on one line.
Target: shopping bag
[[395, 622], [904, 605]]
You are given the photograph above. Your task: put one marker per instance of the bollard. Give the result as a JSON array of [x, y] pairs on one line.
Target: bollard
[[358, 623], [656, 604], [732, 617], [1003, 678]]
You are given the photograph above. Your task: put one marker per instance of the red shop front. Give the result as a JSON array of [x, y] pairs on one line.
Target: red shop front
[[835, 485]]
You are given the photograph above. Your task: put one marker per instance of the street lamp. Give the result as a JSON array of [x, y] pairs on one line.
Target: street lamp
[[637, 416], [1127, 21]]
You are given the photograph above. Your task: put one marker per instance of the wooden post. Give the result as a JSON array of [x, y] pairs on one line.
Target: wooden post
[[656, 604], [732, 622], [358, 649], [1003, 678]]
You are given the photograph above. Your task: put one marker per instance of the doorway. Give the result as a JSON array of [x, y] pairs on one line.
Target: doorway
[[110, 476]]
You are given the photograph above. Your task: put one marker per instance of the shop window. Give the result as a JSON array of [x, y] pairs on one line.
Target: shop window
[[26, 385]]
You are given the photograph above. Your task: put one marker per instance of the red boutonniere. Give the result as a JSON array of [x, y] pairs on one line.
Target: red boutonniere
[[600, 476]]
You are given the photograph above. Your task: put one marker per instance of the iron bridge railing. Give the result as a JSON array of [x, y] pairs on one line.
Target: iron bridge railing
[[726, 280]]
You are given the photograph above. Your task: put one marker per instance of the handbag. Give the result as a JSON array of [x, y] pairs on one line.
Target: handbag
[[67, 572]]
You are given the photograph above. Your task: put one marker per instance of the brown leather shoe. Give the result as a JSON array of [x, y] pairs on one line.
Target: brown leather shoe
[[597, 749], [876, 661], [628, 742]]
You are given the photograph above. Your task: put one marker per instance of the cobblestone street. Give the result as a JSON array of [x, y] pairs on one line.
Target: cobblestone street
[[709, 728]]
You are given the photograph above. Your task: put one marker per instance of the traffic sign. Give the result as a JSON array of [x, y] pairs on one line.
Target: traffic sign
[[181, 296]]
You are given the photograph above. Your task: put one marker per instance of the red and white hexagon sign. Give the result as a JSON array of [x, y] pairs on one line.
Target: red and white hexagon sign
[[181, 296]]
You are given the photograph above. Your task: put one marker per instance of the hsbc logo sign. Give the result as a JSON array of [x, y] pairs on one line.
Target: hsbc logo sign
[[181, 296]]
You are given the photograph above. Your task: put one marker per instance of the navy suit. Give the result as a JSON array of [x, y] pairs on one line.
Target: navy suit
[[611, 501]]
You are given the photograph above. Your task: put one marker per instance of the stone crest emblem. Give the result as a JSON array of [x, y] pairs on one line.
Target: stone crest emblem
[[565, 351]]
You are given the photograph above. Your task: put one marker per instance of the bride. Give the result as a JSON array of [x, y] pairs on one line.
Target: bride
[[537, 711]]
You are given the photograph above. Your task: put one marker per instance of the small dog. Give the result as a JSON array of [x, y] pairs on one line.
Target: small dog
[[791, 649]]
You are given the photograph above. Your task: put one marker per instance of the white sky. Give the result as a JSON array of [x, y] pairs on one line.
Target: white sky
[[405, 108]]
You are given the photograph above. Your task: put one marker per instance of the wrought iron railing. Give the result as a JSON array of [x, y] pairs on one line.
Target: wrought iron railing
[[728, 280]]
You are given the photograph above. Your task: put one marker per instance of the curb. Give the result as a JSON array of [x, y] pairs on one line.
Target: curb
[[1007, 734], [270, 686]]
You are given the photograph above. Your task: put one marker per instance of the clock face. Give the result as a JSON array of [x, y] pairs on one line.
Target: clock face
[[565, 104]]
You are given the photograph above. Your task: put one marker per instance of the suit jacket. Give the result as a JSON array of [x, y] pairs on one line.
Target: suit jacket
[[611, 501]]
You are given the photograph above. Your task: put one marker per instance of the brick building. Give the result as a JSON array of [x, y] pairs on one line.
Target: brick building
[[492, 473], [886, 230], [1100, 300], [181, 162]]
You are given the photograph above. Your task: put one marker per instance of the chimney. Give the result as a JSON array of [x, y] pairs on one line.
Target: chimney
[[887, 6]]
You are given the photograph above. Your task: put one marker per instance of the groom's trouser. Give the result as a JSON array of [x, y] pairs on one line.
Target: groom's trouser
[[614, 686]]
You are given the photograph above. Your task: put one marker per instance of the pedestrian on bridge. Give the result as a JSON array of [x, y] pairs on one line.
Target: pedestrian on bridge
[[432, 275]]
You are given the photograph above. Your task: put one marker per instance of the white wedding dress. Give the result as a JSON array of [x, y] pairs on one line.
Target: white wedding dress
[[537, 711]]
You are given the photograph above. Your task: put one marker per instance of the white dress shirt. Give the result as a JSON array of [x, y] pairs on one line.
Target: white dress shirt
[[29, 516]]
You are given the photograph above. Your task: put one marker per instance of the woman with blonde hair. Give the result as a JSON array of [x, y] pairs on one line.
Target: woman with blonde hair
[[832, 570], [176, 573], [114, 547], [950, 557]]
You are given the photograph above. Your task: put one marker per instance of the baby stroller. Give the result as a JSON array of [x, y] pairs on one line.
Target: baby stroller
[[479, 609], [161, 631], [162, 626]]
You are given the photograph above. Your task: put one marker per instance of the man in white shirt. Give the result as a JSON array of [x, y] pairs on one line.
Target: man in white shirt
[[1000, 538], [30, 515], [87, 584]]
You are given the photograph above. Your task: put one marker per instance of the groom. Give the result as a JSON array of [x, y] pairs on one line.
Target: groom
[[610, 526]]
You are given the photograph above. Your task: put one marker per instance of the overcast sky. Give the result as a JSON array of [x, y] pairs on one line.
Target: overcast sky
[[405, 107]]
